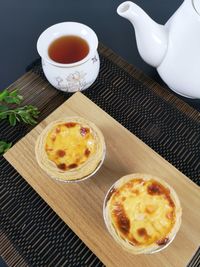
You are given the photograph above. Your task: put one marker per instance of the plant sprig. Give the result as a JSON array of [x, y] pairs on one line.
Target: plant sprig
[[4, 146], [11, 97], [27, 114]]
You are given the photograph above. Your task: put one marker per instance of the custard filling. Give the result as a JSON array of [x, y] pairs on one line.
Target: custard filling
[[69, 145], [142, 212]]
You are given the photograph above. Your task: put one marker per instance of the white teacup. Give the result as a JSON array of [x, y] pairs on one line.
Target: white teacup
[[71, 77]]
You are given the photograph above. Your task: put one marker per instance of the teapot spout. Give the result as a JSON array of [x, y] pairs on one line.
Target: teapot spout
[[151, 37]]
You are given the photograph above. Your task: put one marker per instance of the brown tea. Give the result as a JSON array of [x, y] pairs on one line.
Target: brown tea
[[68, 49]]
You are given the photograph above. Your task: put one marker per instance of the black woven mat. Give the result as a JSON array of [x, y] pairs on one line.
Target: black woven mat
[[31, 233]]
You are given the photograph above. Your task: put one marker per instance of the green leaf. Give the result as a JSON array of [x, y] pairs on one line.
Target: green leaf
[[11, 97], [4, 146], [3, 94], [27, 114], [12, 119], [3, 115], [14, 92], [3, 108]]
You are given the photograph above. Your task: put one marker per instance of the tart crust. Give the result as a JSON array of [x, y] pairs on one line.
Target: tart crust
[[83, 170], [134, 211]]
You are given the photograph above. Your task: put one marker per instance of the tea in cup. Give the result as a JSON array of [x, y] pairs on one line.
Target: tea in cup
[[70, 60]]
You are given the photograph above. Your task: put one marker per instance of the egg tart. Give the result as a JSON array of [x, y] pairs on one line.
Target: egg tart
[[142, 213], [71, 149]]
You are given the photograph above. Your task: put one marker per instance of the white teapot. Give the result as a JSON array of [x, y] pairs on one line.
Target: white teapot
[[173, 48]]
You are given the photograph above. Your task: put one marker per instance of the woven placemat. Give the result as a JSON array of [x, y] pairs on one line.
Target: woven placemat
[[31, 233]]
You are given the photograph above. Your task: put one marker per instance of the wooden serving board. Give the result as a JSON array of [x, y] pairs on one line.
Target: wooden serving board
[[80, 205]]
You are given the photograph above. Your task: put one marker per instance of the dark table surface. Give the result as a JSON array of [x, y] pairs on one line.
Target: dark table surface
[[21, 22]]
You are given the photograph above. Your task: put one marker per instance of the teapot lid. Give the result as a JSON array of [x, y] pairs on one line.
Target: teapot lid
[[196, 4]]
